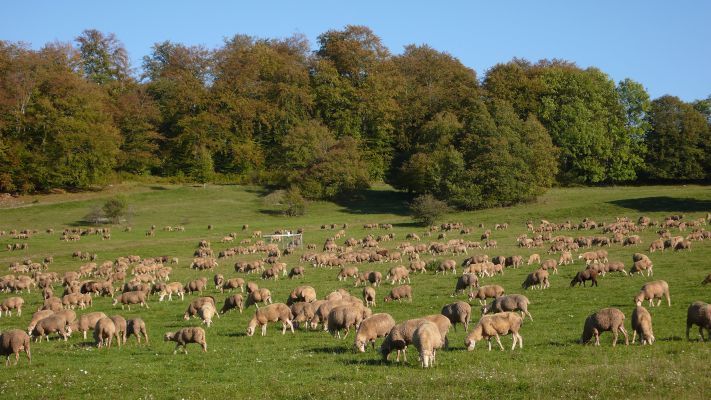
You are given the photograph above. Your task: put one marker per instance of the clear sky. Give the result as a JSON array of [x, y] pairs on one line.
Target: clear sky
[[665, 45]]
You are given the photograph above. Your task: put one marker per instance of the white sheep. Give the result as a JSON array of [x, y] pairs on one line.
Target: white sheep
[[378, 325], [496, 325], [427, 340]]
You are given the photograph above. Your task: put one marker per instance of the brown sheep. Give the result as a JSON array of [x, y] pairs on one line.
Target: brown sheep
[[303, 312], [653, 290], [261, 295], [36, 317], [196, 285], [52, 324], [550, 264], [345, 317], [14, 341], [136, 327], [399, 274], [607, 319], [644, 264], [399, 293], [369, 296], [447, 265], [196, 304], [233, 283], [584, 276], [187, 335], [459, 312], [487, 292], [297, 272], [401, 335], [271, 313], [642, 325], [128, 298], [302, 293], [537, 279], [512, 302], [87, 322], [466, 281], [698, 313], [534, 258]]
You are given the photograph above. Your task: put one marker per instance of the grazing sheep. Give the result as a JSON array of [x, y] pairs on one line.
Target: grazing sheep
[[219, 280], [52, 324], [512, 302], [303, 312], [196, 285], [369, 296], [465, 281], [104, 331], [297, 272], [447, 265], [87, 322], [642, 325], [136, 327], [653, 290], [607, 319], [12, 342], [345, 317], [639, 266], [271, 313], [399, 337], [232, 302], [231, 284], [187, 335], [399, 293], [129, 298], [168, 289], [487, 292], [378, 325], [206, 312], [261, 295], [656, 245], [550, 264], [252, 287], [427, 340], [699, 313], [584, 276], [459, 312], [374, 277], [537, 279], [614, 266], [399, 274], [534, 258], [12, 303], [37, 316], [347, 272], [196, 304], [494, 326], [302, 293]]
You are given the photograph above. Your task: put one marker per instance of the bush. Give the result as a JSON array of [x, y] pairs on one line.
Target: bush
[[115, 208], [426, 209], [289, 202]]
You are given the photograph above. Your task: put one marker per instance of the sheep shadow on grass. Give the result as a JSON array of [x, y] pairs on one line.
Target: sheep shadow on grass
[[331, 350], [367, 362]]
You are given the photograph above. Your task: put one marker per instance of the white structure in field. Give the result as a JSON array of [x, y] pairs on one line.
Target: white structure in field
[[287, 239]]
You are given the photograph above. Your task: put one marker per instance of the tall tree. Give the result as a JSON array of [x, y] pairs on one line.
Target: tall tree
[[104, 58]]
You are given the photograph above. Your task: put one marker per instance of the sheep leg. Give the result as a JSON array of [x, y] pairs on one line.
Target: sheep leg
[[515, 339], [264, 330], [498, 340], [489, 341], [634, 336], [347, 331], [624, 332]]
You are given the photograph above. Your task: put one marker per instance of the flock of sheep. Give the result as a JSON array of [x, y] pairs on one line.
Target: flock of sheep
[[131, 280]]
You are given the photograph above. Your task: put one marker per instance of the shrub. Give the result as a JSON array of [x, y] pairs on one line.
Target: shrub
[[115, 208], [426, 209]]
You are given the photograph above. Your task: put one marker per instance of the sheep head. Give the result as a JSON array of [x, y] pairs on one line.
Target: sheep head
[[169, 336]]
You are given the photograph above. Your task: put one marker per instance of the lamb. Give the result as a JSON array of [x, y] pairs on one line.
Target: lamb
[[232, 302], [87, 322], [12, 342], [487, 292], [465, 281], [261, 295], [583, 276], [537, 279], [534, 258], [187, 335], [653, 290], [644, 264], [196, 304], [493, 326], [52, 324], [698, 313], [128, 298], [642, 325], [12, 303], [607, 319], [427, 340], [447, 265], [137, 327], [104, 331], [378, 325], [196, 285], [271, 313], [369, 296], [459, 312], [168, 289], [512, 302], [206, 312], [399, 293], [345, 317]]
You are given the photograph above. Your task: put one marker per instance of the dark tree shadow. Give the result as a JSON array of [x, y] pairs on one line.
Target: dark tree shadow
[[375, 202], [664, 204], [158, 188], [273, 213]]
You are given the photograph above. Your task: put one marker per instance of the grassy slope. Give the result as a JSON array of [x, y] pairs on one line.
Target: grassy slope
[[314, 365]]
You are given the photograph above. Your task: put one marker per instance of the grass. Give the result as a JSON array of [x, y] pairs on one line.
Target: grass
[[315, 365]]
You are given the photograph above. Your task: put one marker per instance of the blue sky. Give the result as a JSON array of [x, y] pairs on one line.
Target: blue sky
[[665, 45]]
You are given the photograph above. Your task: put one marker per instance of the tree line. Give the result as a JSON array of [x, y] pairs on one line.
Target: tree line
[[328, 122]]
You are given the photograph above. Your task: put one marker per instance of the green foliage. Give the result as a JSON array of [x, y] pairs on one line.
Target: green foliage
[[676, 142], [115, 208], [427, 210], [289, 202]]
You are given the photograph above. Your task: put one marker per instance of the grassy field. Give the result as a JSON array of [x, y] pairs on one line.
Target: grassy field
[[315, 365]]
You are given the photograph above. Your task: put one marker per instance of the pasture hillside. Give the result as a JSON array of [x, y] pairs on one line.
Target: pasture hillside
[[315, 365]]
